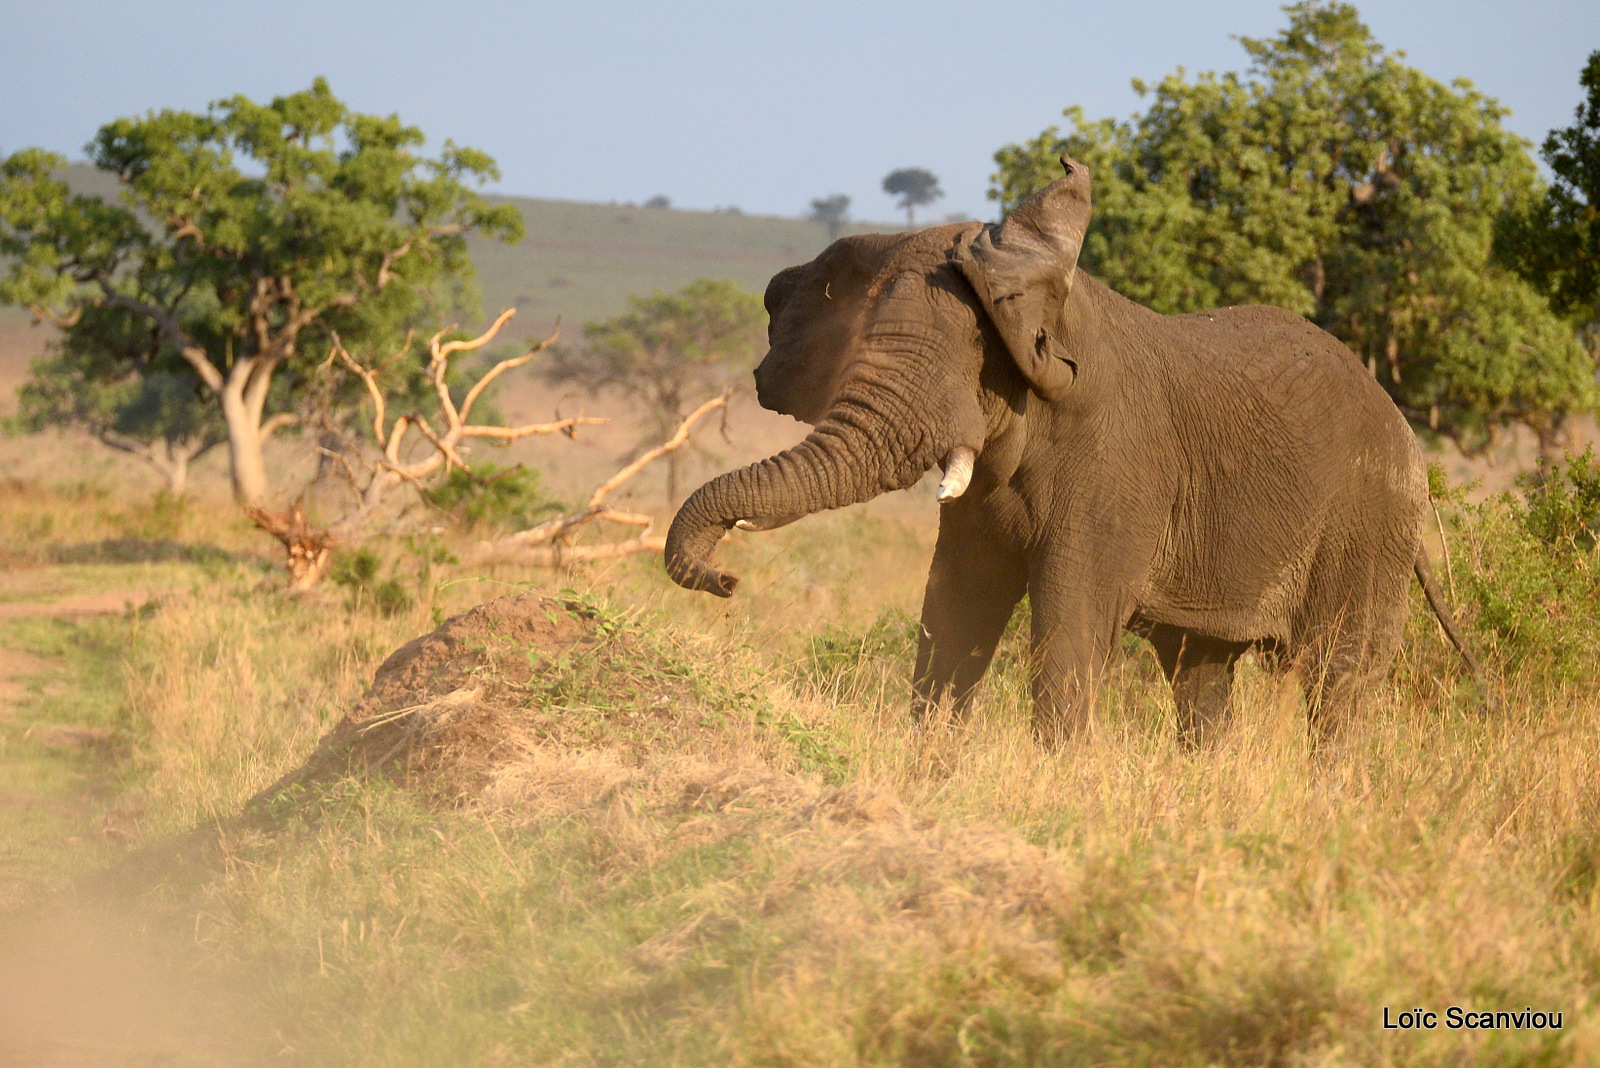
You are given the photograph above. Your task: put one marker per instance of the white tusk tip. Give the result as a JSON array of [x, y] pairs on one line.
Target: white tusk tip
[[957, 473]]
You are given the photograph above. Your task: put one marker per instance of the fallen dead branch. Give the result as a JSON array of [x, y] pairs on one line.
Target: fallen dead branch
[[553, 544]]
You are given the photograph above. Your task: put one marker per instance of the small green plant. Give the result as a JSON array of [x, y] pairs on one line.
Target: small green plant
[[1532, 579], [1562, 508], [493, 498], [358, 572], [843, 663]]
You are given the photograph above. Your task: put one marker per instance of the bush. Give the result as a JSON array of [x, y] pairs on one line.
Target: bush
[[845, 665], [495, 499], [1532, 582], [357, 572]]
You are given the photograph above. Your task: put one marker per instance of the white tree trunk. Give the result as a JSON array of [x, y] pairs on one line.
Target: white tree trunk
[[243, 396], [177, 468]]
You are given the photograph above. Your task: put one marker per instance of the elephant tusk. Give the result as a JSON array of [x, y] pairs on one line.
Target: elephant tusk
[[771, 522], [957, 473]]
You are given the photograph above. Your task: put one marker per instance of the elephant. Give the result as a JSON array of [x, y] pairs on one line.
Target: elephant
[[1216, 482]]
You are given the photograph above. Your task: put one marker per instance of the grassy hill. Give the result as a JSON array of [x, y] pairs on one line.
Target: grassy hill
[[582, 261]]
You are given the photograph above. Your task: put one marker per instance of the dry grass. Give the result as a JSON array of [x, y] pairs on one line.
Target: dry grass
[[787, 873]]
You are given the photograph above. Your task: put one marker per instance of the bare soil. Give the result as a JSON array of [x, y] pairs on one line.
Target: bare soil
[[16, 668]]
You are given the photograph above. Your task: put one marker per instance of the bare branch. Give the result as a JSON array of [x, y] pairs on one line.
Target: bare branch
[[503, 366], [446, 445], [369, 376], [187, 347], [274, 423], [442, 352], [390, 258], [122, 443], [549, 543], [59, 320], [344, 462], [672, 444], [508, 434]]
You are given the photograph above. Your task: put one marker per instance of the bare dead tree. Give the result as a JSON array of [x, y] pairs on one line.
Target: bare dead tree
[[374, 479]]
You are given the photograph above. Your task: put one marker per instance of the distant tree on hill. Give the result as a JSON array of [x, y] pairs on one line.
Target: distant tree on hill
[[659, 201], [666, 352], [1555, 242], [915, 187], [832, 212], [245, 239]]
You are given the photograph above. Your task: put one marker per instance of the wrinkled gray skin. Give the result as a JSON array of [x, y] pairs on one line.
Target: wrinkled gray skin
[[1215, 482]]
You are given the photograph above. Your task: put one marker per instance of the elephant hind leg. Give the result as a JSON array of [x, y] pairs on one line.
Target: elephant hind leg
[[1200, 670], [1350, 642], [1335, 681]]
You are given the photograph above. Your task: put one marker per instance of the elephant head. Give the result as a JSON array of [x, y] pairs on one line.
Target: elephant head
[[902, 351]]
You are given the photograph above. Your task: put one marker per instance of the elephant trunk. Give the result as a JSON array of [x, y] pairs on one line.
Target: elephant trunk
[[853, 455]]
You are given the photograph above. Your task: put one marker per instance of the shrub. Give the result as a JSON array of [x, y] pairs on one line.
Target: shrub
[[357, 572], [494, 499], [1532, 583], [842, 664]]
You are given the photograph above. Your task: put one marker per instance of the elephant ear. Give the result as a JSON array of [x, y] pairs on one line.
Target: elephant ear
[[1023, 270]]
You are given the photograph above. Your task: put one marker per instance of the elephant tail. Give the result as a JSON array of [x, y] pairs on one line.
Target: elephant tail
[[1447, 620]]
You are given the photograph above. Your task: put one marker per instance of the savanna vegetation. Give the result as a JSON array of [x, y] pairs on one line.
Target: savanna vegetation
[[683, 831], [610, 822]]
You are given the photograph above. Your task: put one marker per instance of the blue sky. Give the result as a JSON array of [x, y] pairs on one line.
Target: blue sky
[[763, 106]]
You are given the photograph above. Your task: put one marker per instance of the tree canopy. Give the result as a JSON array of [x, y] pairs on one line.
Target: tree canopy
[[666, 351], [831, 211], [1554, 242], [131, 392], [1332, 179], [243, 240], [915, 187]]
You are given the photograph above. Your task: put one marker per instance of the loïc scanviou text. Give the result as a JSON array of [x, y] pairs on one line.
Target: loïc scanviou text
[[1457, 1018]]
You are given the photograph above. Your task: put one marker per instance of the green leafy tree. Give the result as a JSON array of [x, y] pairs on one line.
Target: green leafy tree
[[832, 212], [666, 352], [1334, 180], [915, 187], [114, 377], [1554, 243], [152, 412], [246, 237]]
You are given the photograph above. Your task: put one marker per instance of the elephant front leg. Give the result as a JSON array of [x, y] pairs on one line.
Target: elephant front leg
[[973, 587]]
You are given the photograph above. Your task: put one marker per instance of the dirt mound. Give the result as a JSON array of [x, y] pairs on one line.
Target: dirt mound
[[530, 669]]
